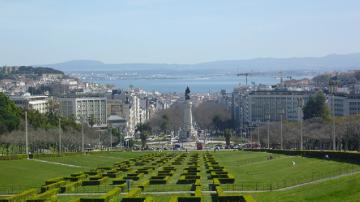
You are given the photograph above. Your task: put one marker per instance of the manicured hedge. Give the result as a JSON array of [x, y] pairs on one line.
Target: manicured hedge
[[48, 196], [188, 199], [231, 199], [118, 181], [133, 193], [58, 184], [53, 180], [94, 182], [21, 196], [138, 199], [76, 178], [70, 186]]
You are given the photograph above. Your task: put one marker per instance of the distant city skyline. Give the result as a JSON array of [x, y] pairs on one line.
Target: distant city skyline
[[169, 31]]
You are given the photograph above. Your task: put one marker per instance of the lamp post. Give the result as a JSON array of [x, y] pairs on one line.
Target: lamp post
[[300, 115], [26, 136], [59, 135], [110, 138], [268, 132], [333, 122], [281, 130], [258, 132], [82, 135], [332, 85]]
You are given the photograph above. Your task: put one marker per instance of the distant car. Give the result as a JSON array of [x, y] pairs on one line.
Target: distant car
[[219, 146], [236, 147]]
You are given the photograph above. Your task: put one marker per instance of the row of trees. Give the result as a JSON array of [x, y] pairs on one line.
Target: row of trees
[[317, 125], [317, 134], [43, 131], [317, 129]]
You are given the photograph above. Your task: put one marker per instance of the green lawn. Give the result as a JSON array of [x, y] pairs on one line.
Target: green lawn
[[94, 160], [253, 171], [18, 175], [344, 189]]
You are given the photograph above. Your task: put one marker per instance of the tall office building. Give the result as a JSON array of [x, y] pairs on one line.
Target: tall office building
[[87, 109], [264, 105]]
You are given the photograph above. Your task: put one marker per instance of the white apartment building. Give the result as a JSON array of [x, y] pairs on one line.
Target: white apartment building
[[87, 109], [38, 103], [127, 106], [251, 108], [344, 105]]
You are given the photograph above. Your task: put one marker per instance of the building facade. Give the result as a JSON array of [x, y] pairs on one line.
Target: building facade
[[85, 109], [344, 105], [250, 108], [38, 103]]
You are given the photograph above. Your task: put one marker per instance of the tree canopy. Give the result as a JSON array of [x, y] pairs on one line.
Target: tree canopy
[[9, 114], [316, 107]]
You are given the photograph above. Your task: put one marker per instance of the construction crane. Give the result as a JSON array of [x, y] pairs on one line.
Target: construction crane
[[281, 76], [246, 76]]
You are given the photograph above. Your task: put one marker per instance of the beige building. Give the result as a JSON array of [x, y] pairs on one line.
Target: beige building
[[38, 103]]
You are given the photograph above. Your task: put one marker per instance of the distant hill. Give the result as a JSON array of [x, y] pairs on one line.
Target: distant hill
[[37, 70], [326, 63]]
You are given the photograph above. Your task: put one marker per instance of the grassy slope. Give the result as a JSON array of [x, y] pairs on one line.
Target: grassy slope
[[23, 174], [96, 159], [344, 189], [254, 167]]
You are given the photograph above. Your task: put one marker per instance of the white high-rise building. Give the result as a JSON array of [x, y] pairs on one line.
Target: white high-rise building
[[344, 105], [85, 109]]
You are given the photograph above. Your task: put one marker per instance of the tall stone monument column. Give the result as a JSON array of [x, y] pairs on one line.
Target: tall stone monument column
[[188, 128]]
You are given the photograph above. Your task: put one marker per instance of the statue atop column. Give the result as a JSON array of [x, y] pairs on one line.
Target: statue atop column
[[188, 129], [187, 93]]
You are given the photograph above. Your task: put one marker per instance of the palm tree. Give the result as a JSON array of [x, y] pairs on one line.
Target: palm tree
[[144, 129], [227, 136]]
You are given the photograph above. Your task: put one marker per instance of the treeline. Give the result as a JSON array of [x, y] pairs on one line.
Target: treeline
[[317, 134], [30, 70], [43, 131], [11, 116], [317, 129], [341, 78], [207, 115]]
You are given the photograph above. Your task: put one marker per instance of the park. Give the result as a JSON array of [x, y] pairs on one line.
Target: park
[[180, 176]]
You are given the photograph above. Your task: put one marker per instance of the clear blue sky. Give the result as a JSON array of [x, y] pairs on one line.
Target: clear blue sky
[[169, 31]]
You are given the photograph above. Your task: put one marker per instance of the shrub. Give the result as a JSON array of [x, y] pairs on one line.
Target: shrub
[[249, 198], [94, 182], [52, 186], [53, 180], [138, 199], [133, 193], [21, 196], [70, 186], [118, 181], [229, 180], [189, 199], [231, 199], [48, 196]]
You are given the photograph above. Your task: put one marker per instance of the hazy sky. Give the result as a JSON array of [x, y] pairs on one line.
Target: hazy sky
[[169, 31]]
